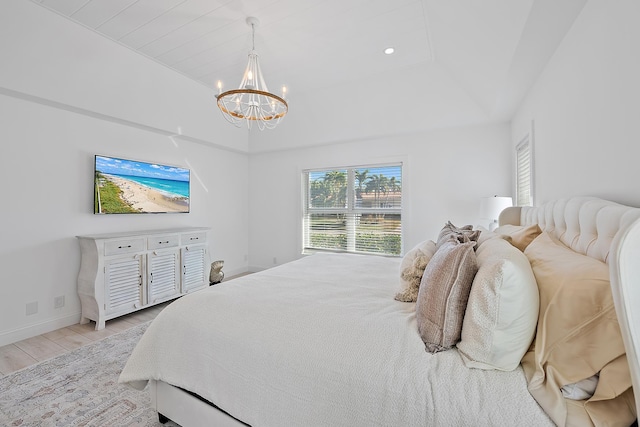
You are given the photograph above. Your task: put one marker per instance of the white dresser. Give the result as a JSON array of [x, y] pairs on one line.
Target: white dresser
[[124, 272]]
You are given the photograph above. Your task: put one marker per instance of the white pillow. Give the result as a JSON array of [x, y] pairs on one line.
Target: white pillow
[[411, 270], [485, 235], [502, 311], [582, 390]]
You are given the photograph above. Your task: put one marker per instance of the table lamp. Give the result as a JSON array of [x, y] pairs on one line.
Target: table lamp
[[490, 208]]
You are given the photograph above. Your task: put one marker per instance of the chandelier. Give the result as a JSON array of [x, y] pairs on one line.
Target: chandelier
[[252, 101]]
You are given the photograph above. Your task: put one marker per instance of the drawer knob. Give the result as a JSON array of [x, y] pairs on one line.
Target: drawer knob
[[122, 247]]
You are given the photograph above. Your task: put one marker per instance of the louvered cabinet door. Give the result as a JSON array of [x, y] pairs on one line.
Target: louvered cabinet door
[[194, 268], [163, 278], [123, 284]]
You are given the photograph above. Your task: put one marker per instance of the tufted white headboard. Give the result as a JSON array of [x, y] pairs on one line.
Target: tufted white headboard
[[585, 224], [609, 232]]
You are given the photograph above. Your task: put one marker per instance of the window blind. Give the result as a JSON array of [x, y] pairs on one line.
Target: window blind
[[356, 209], [523, 173]]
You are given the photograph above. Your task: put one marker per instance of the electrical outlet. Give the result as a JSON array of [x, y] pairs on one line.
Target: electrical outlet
[[275, 260], [31, 308], [58, 302]]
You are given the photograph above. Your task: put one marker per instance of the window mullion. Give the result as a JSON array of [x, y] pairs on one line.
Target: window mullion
[[351, 218]]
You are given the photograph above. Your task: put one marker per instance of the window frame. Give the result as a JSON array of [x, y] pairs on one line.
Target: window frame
[[350, 210]]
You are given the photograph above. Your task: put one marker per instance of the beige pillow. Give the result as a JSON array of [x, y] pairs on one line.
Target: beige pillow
[[520, 236], [412, 268], [502, 311], [449, 230], [577, 336], [443, 294]]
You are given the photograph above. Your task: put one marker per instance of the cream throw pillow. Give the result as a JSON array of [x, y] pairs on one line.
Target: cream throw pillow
[[443, 294], [508, 229], [411, 270], [502, 311], [486, 235], [577, 336]]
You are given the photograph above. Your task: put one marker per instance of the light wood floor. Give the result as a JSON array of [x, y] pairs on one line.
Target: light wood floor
[[21, 354]]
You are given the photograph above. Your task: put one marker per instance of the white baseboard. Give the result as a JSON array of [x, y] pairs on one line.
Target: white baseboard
[[9, 337]]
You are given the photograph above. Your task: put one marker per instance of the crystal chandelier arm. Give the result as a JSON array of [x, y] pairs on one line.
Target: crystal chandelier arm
[[260, 80]]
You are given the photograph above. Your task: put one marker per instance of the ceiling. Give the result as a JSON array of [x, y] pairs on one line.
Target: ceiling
[[492, 49]]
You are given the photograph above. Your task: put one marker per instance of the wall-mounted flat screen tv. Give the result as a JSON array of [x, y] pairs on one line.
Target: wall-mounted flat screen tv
[[130, 186]]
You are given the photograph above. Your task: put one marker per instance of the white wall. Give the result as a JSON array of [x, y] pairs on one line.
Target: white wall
[[445, 173], [57, 110], [47, 56], [585, 107]]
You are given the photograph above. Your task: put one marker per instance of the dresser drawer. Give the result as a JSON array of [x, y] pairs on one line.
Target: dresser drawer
[[193, 238], [166, 241], [115, 247]]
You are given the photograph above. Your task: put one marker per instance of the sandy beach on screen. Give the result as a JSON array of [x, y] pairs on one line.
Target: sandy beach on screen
[[145, 199]]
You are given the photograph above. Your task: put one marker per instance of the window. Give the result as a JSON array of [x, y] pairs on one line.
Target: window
[[524, 168], [356, 209]]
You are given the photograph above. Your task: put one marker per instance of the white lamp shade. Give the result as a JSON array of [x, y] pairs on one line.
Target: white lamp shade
[[490, 207]]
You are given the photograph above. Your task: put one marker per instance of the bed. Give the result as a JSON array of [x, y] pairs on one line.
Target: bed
[[321, 341]]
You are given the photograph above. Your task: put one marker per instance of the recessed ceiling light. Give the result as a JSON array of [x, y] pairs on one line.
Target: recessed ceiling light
[[389, 50]]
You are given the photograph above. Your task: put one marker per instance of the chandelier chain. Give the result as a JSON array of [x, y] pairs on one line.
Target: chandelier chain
[[253, 36]]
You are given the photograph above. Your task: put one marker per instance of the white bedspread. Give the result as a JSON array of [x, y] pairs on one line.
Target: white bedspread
[[321, 342]]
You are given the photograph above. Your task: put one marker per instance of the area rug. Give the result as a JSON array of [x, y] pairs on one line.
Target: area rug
[[79, 388]]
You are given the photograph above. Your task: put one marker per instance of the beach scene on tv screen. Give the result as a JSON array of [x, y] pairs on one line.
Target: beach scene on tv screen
[[129, 186]]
